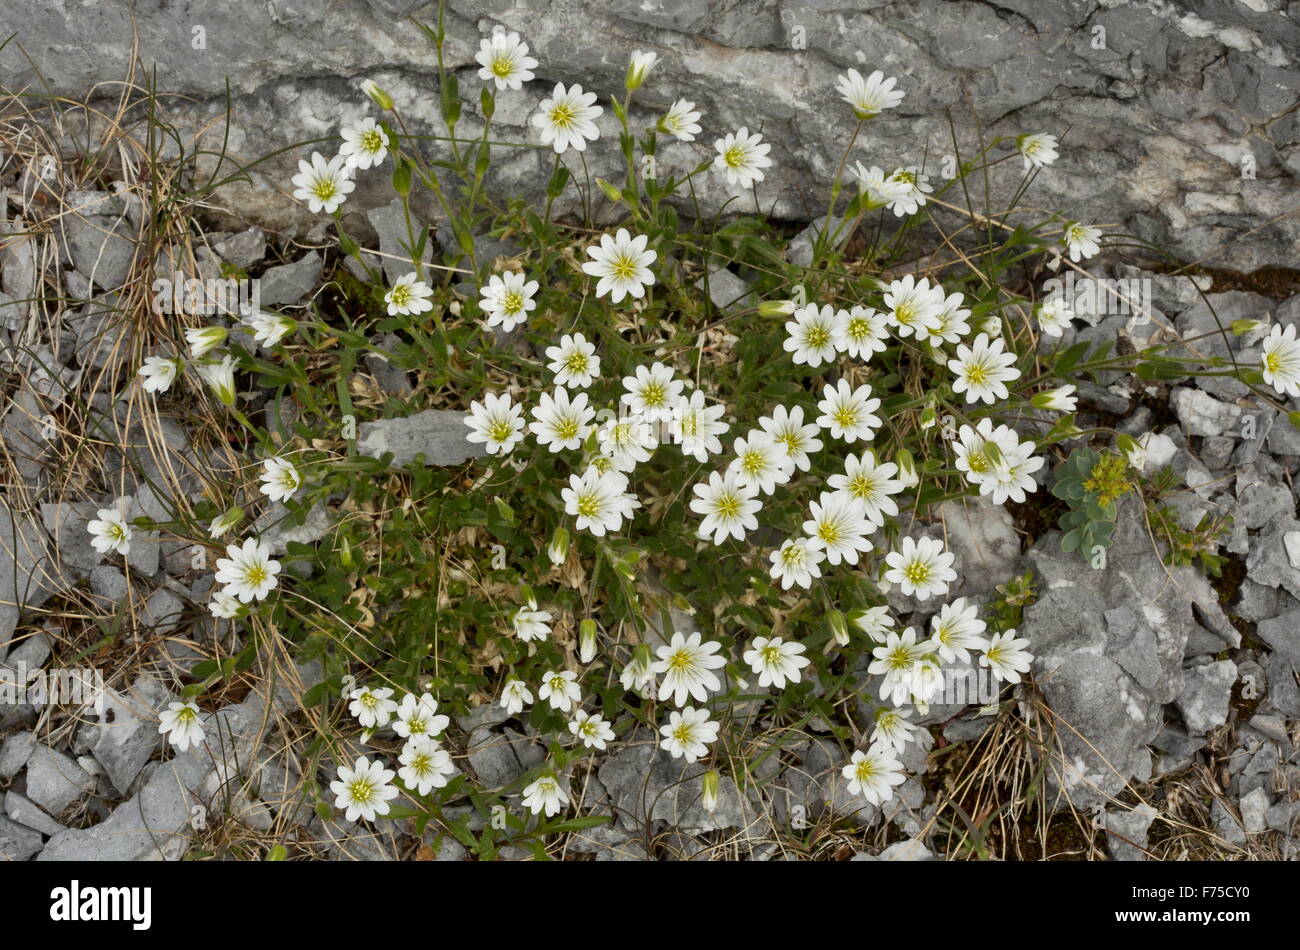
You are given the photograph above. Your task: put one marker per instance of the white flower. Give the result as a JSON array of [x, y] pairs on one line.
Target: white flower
[[324, 185], [955, 630], [686, 664], [859, 332], [279, 479], [787, 429], [561, 422], [728, 507], [681, 121], [408, 295], [922, 568], [205, 339], [568, 118], [639, 675], [952, 322], [599, 500], [507, 300], [879, 188], [688, 733], [876, 623], [983, 370], [110, 532], [425, 765], [911, 187], [180, 724], [627, 442], [574, 362], [776, 661], [497, 422], [1054, 315], [545, 795], [1060, 399], [760, 462], [971, 448], [592, 729], [224, 606], [868, 96], [504, 60], [898, 661], [1006, 657], [812, 335], [364, 790], [1037, 149], [892, 729], [220, 378], [268, 327], [696, 427], [417, 718], [1012, 476], [870, 484], [652, 393], [1081, 240], [914, 305], [159, 373], [364, 144], [529, 623], [1280, 362], [796, 562], [638, 67], [874, 773], [373, 708], [514, 696], [560, 689], [247, 572], [622, 263], [838, 527], [847, 413], [742, 157]]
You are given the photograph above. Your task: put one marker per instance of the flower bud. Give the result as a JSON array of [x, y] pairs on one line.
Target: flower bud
[[381, 98], [587, 641], [839, 627], [709, 798], [224, 522], [558, 549], [776, 308], [638, 68]]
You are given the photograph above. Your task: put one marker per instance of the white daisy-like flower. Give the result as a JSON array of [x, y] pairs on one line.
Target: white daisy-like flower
[[220, 378], [897, 661], [110, 532], [728, 507], [952, 323], [1006, 656], [892, 730], [503, 59], [417, 717], [688, 733], [373, 708], [1081, 240], [365, 144], [364, 790], [280, 479], [874, 773], [507, 300], [811, 335], [268, 327], [181, 725], [880, 189], [983, 370], [921, 568], [1280, 362], [638, 68], [1054, 315], [639, 675], [870, 484], [529, 623], [159, 372], [324, 185], [742, 157], [574, 361], [1060, 399], [875, 622], [776, 661], [868, 96], [545, 794], [408, 295], [681, 121], [860, 331], [1013, 475], [1037, 149], [568, 118], [914, 305], [787, 429], [205, 339], [224, 606], [911, 188], [560, 689], [838, 527], [497, 422], [560, 421], [971, 449], [955, 630], [248, 571], [627, 441], [515, 695], [761, 462], [599, 500], [591, 729], [847, 413], [652, 393], [696, 426], [796, 563], [425, 765], [622, 263], [686, 664]]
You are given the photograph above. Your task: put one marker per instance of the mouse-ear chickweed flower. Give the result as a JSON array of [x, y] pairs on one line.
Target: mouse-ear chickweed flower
[[1280, 362], [417, 717], [365, 144], [955, 630], [860, 332], [681, 121], [1054, 315], [848, 413], [373, 708], [686, 664], [560, 689], [688, 733], [838, 527], [776, 661], [796, 563], [203, 340], [627, 441], [545, 794], [409, 295], [248, 571], [788, 430], [908, 186], [742, 157], [515, 695], [220, 377], [1081, 240], [869, 96], [983, 370], [599, 500], [921, 568], [875, 622], [364, 790], [913, 305], [529, 623], [638, 68], [874, 773], [870, 484], [1060, 399], [324, 185], [280, 479], [561, 422], [897, 662], [727, 506], [622, 263], [507, 299], [652, 392], [761, 462], [496, 422], [591, 729], [181, 725], [695, 426], [159, 372], [567, 119], [110, 532], [503, 59], [1037, 149], [1006, 657], [573, 361], [425, 765], [812, 335]]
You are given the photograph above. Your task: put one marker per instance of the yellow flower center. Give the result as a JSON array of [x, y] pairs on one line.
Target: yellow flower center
[[361, 790], [499, 431], [589, 506], [372, 141], [255, 575], [503, 66], [817, 337], [562, 115], [734, 156], [325, 188], [728, 505], [846, 417], [623, 266], [679, 661], [401, 295], [576, 363], [866, 768], [567, 428], [512, 302], [918, 572], [653, 395]]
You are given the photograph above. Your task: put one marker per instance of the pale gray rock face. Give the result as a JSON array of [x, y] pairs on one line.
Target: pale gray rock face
[[436, 434], [1177, 113]]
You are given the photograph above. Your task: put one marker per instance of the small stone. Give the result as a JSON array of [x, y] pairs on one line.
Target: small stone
[[21, 809], [289, 283], [1282, 634], [14, 753], [1202, 414], [244, 249], [101, 248], [162, 613], [126, 736], [17, 842], [1206, 693], [1127, 832], [109, 583], [437, 434], [54, 781], [1254, 811], [1226, 824]]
